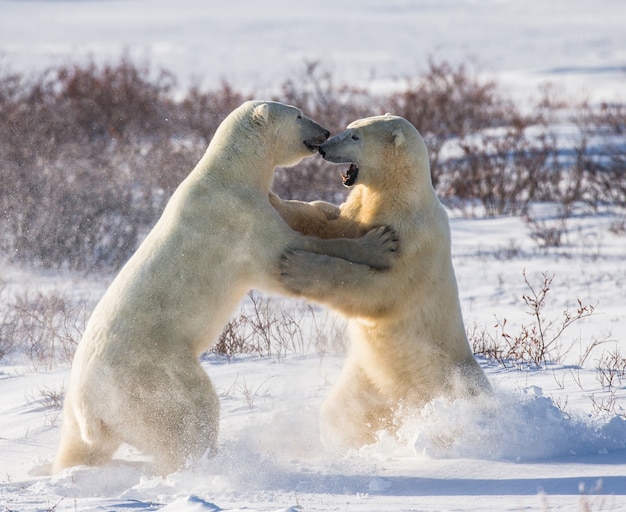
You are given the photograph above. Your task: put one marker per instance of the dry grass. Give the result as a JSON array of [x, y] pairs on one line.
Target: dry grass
[[45, 328], [269, 327]]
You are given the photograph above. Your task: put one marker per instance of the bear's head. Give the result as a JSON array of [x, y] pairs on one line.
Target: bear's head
[[286, 134], [377, 146]]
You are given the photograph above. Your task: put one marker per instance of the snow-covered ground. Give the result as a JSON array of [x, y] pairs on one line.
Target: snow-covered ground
[[578, 45], [551, 439]]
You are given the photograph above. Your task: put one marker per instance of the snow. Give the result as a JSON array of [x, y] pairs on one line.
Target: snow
[[538, 443], [551, 438], [256, 45]]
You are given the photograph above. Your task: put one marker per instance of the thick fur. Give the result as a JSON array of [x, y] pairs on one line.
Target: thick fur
[[408, 342], [136, 377]]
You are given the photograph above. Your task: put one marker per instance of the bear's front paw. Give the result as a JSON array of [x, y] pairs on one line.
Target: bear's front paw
[[296, 270], [383, 244]]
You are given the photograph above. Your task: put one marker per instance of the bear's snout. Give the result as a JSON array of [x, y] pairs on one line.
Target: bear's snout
[[331, 153], [316, 142]]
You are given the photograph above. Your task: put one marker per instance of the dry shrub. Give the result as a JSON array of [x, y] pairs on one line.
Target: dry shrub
[[45, 328], [90, 105], [547, 233], [74, 215], [505, 170], [601, 156], [262, 328], [447, 103], [69, 194], [89, 153], [265, 327], [333, 105], [120, 102], [537, 343], [201, 112], [611, 369], [7, 341], [610, 372]]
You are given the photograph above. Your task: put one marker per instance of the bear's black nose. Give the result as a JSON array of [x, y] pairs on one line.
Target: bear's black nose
[[326, 134]]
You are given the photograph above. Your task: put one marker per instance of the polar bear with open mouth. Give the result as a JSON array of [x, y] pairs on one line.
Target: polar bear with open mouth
[[408, 341]]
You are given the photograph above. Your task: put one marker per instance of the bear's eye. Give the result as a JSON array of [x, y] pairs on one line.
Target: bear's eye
[[355, 137], [299, 116]]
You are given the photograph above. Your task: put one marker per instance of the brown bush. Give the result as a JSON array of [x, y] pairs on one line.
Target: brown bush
[[505, 170], [71, 210], [268, 328], [601, 155], [539, 342], [89, 154], [117, 102], [447, 103], [69, 194], [201, 112], [45, 328]]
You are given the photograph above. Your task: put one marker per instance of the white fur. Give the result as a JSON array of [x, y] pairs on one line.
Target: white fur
[[135, 377], [408, 343]]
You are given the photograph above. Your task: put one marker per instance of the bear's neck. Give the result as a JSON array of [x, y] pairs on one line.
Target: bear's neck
[[253, 168], [372, 206]]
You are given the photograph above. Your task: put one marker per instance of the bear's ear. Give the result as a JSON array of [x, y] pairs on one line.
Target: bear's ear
[[398, 138], [261, 114]]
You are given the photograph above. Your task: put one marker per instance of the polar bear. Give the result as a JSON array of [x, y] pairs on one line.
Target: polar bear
[[408, 342], [136, 377]]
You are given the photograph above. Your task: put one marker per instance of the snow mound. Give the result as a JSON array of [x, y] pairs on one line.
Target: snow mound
[[506, 426], [191, 504], [89, 482]]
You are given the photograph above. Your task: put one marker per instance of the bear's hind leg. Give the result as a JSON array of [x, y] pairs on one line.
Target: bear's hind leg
[[74, 450], [180, 421], [353, 412]]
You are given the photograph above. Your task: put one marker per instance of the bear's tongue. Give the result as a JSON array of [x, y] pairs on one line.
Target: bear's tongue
[[349, 178]]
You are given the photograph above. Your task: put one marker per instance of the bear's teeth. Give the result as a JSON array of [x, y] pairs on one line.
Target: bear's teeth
[[349, 178]]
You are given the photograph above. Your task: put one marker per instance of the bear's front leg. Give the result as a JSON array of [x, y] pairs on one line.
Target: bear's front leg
[[300, 273], [307, 218], [352, 289], [378, 248]]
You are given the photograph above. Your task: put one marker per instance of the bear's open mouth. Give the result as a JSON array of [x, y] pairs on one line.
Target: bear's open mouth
[[349, 178]]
